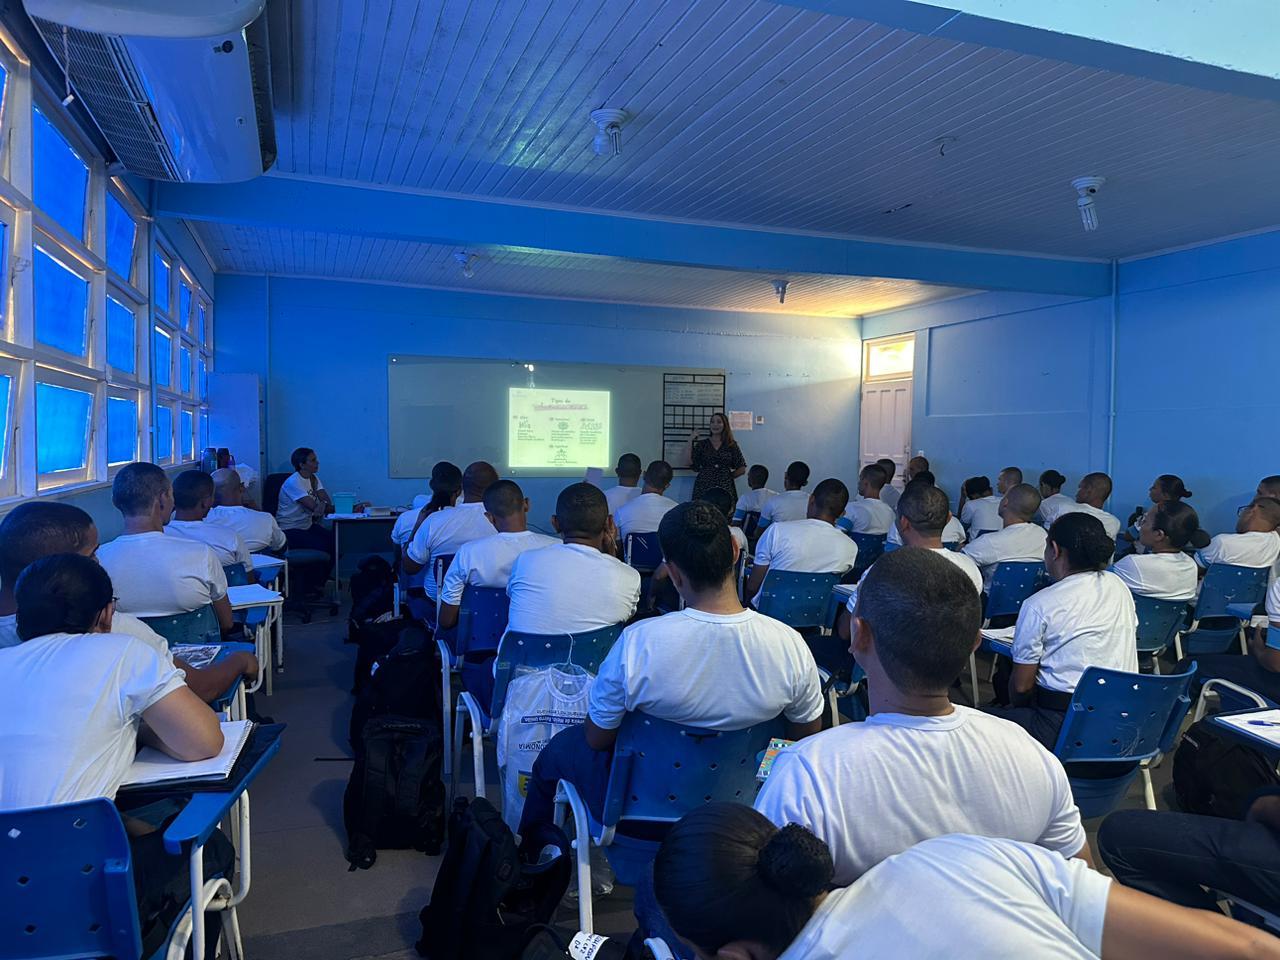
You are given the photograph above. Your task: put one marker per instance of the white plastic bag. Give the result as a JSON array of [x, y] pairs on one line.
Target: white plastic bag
[[540, 703]]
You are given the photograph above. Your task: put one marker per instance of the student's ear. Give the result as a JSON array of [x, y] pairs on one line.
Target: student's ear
[[860, 636], [103, 622], [491, 518], [555, 523], [526, 504], [737, 550]]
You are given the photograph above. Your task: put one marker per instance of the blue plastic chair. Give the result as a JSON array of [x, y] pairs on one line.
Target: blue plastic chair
[[1224, 584], [482, 619], [750, 520], [1011, 584], [516, 650], [195, 626], [1158, 623], [800, 600], [642, 552], [870, 549], [661, 771], [1121, 719], [236, 574]]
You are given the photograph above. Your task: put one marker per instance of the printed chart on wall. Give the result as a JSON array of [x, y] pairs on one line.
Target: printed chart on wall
[[688, 401]]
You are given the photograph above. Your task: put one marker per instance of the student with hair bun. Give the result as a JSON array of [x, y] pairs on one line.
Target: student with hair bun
[[1053, 500], [1086, 618], [1163, 571], [739, 888], [1166, 488]]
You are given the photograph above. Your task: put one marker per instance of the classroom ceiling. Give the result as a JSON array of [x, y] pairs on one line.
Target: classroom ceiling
[[761, 114], [542, 273]]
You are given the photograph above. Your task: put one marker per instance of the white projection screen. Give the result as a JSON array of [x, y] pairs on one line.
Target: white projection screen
[[555, 420]]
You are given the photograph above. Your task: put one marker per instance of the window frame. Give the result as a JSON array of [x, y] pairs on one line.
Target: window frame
[[11, 466], [135, 397], [869, 345]]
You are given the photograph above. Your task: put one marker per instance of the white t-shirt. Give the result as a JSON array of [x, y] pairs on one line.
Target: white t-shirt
[[719, 671], [290, 514], [753, 501], [1241, 549], [1084, 620], [72, 705], [402, 529], [615, 497], [953, 532], [1165, 576], [120, 623], [959, 559], [158, 576], [962, 896], [890, 495], [1273, 603], [1110, 522], [967, 772], [1017, 543], [223, 541], [487, 562], [570, 588], [981, 514], [641, 514], [442, 533], [788, 505], [1052, 506], [807, 546], [256, 528], [868, 515]]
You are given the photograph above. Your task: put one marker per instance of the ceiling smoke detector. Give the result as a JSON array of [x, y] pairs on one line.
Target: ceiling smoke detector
[[608, 139], [467, 261], [1087, 188]]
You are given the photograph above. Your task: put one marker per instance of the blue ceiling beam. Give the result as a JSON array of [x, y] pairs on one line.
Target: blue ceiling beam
[[1050, 42], [326, 207]]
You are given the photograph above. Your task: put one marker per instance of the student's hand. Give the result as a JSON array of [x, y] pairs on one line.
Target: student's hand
[[248, 664]]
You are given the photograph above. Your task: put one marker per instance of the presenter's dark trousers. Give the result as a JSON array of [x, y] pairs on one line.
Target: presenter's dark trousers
[[566, 757], [1174, 856]]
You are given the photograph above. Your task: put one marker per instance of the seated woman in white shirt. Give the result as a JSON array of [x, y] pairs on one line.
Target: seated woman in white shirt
[[1086, 618], [1053, 501], [1166, 488], [303, 501], [979, 507], [738, 888], [77, 696], [1163, 571]]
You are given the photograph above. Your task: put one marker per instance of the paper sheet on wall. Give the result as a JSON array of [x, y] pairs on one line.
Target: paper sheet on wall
[[741, 420]]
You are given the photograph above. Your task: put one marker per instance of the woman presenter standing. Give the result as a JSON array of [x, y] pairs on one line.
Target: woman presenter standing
[[716, 457]]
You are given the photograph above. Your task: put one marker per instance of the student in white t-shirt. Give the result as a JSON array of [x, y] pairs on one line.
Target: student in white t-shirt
[[1008, 478], [812, 545], [487, 561], [443, 532], [758, 493], [953, 533], [738, 888], [1091, 494], [792, 503], [1086, 618], [869, 513], [303, 501], [578, 585], [925, 766], [979, 507], [1256, 542], [889, 493], [1163, 571], [257, 528], [642, 514], [40, 528], [628, 473], [713, 664], [247, 474], [155, 575], [446, 488], [660, 583], [1052, 500], [1017, 541], [192, 501]]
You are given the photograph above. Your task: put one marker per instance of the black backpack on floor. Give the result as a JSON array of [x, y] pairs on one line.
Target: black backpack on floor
[[372, 590], [1215, 775], [403, 680], [489, 893]]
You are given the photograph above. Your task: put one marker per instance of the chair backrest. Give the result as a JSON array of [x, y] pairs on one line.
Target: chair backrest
[[236, 574], [1158, 621], [439, 567], [642, 551], [68, 883], [271, 491], [1123, 716], [662, 770], [1011, 584], [870, 548], [797, 599], [1226, 583], [482, 619], [195, 626], [750, 520], [517, 649]]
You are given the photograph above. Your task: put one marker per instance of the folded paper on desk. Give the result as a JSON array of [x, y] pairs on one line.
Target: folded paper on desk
[[151, 767], [249, 594]]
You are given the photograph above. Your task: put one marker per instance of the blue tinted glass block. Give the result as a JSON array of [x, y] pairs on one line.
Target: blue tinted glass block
[[122, 233], [6, 387], [202, 323], [204, 428], [184, 305], [187, 427], [202, 379], [62, 427], [122, 334], [62, 305], [164, 433], [160, 282], [162, 357], [60, 178], [184, 370], [122, 430]]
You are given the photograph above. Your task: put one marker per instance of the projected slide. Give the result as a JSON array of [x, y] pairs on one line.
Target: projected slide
[[558, 428]]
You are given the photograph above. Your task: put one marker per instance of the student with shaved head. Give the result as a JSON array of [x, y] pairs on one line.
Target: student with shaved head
[[869, 513], [257, 528], [1017, 541], [889, 493], [192, 501], [628, 488], [812, 545], [443, 532], [1256, 542], [1091, 494], [642, 514]]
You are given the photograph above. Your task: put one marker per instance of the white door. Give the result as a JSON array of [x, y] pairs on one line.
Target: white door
[[886, 424]]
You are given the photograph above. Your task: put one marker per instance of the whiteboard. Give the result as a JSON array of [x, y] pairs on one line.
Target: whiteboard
[[451, 408]]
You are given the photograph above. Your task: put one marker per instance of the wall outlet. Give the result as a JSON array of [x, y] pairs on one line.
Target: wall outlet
[[759, 419]]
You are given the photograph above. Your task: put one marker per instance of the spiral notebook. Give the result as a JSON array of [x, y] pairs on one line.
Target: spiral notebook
[[152, 767]]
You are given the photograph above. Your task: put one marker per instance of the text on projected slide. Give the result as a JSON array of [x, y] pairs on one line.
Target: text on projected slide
[[558, 428]]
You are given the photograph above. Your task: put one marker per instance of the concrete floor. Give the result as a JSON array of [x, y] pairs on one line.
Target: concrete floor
[[304, 902]]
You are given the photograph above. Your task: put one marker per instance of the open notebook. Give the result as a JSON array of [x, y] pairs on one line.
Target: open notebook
[[151, 766]]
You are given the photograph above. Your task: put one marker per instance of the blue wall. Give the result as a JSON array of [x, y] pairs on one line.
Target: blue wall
[[1007, 379], [322, 348]]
